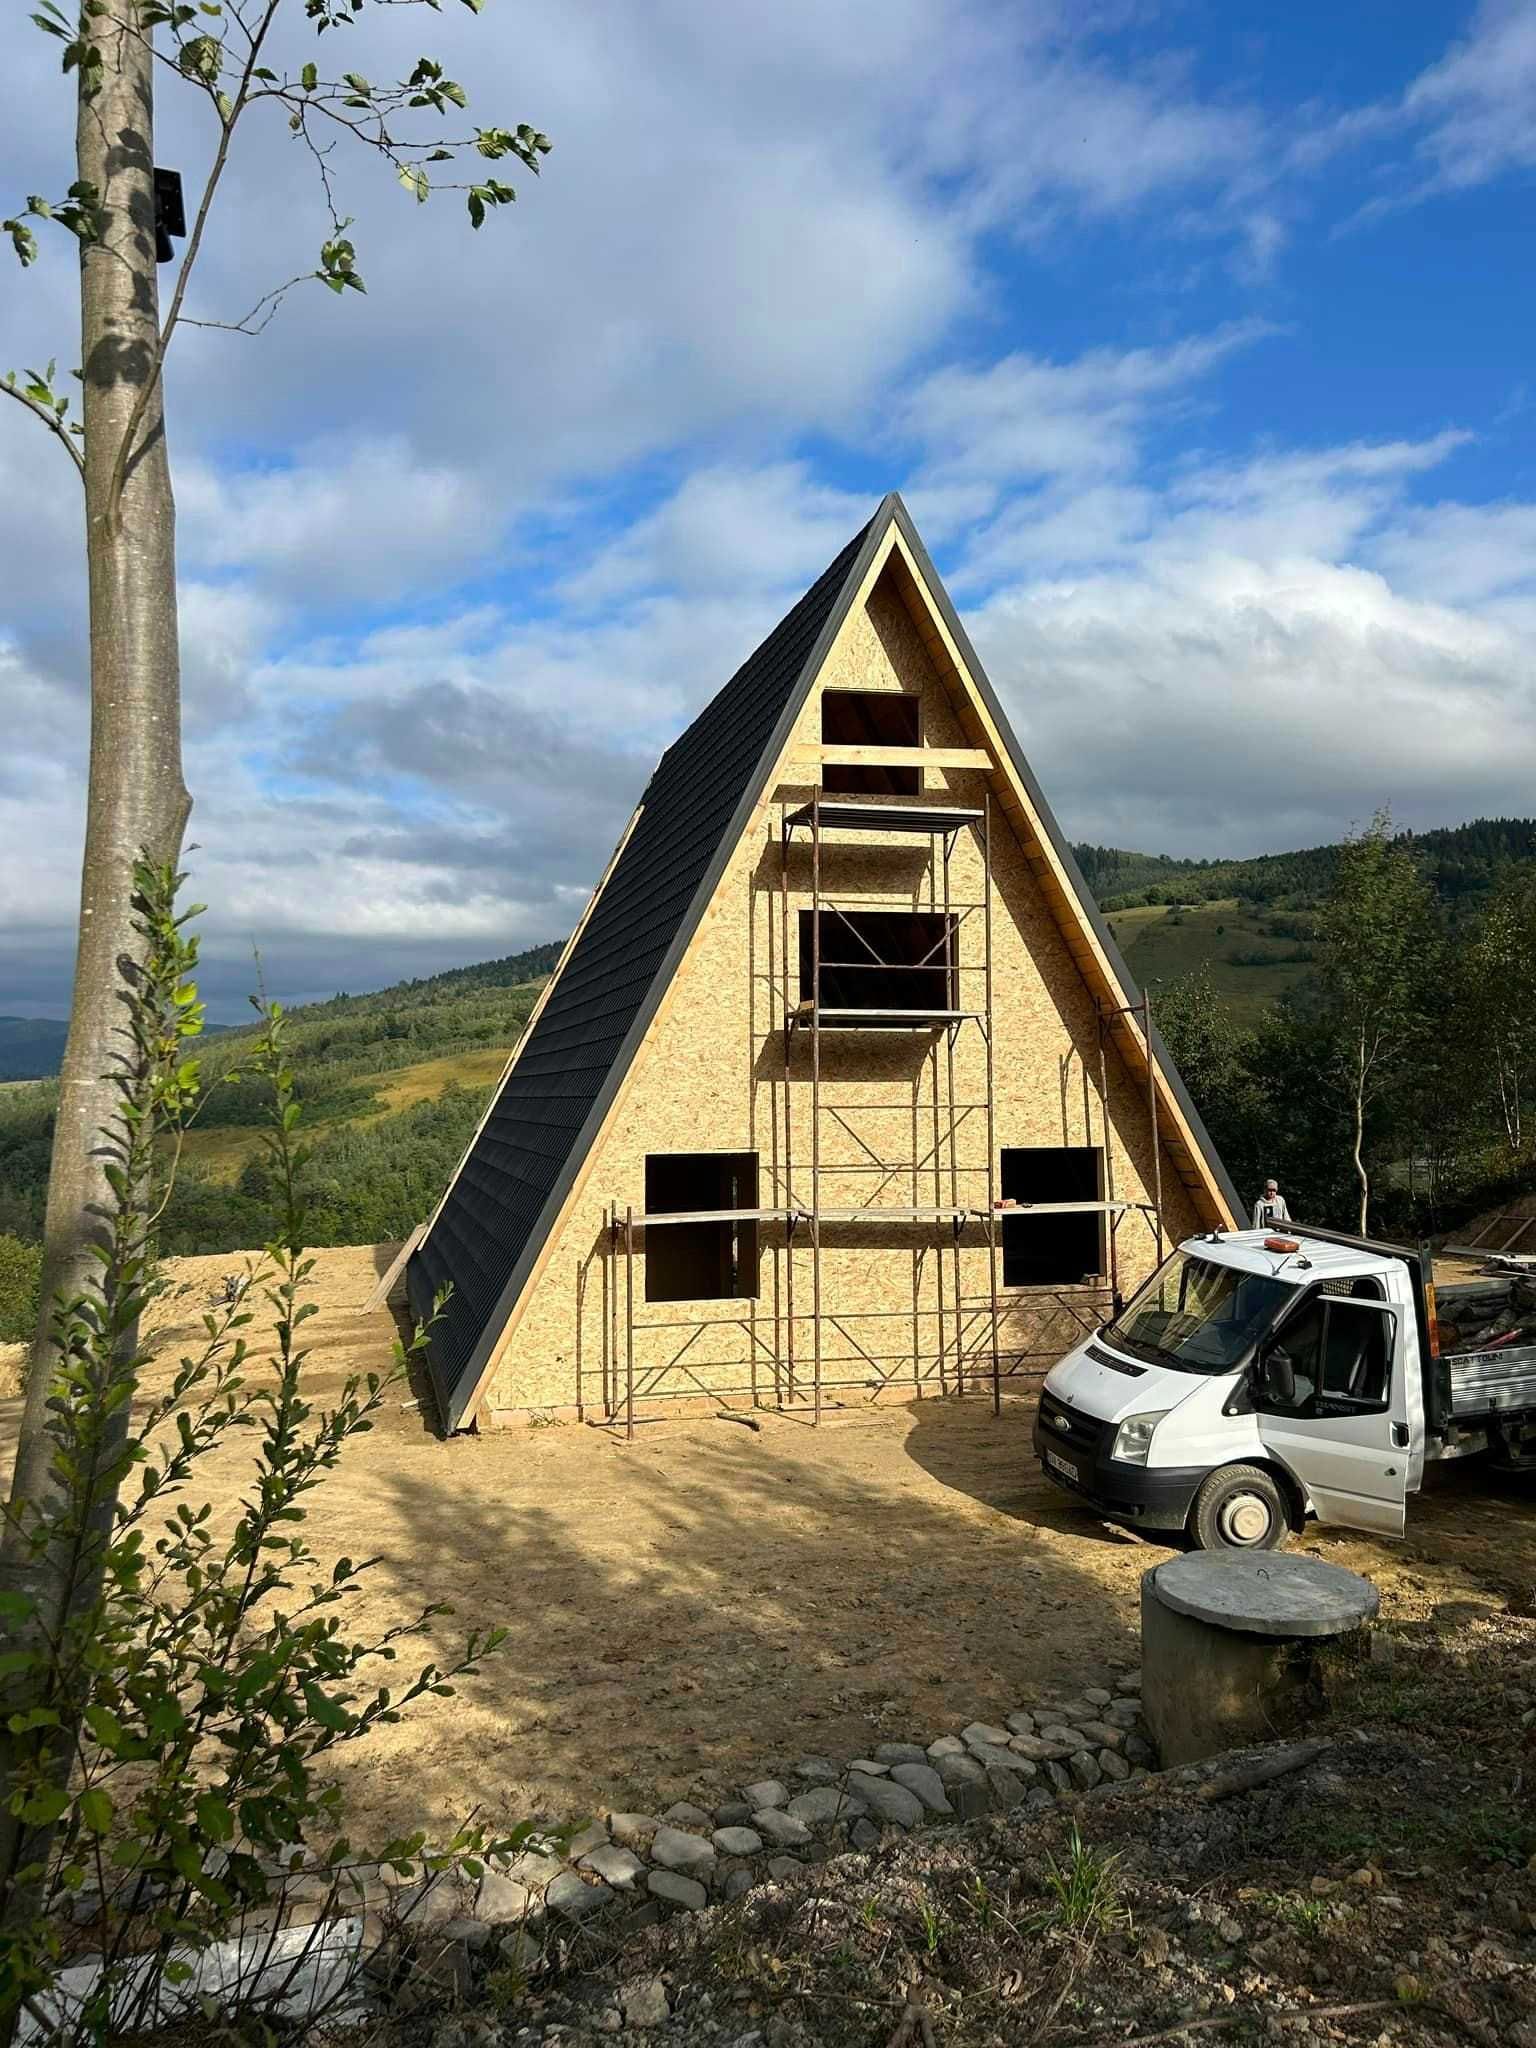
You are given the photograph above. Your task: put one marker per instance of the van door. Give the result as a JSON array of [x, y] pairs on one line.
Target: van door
[[1331, 1396]]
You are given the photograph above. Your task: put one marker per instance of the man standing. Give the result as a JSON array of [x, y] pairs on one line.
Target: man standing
[[1270, 1208]]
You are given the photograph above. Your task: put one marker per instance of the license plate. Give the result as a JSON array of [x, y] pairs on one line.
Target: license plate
[[1061, 1465]]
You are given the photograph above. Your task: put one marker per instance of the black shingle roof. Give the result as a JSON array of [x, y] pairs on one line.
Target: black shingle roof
[[503, 1202]]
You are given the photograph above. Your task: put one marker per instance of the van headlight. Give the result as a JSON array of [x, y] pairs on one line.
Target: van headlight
[[1133, 1439]]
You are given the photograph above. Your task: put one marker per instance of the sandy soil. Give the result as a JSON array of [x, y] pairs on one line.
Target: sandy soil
[[714, 1600]]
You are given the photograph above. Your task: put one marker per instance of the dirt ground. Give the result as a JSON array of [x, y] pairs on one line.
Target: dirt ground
[[713, 1601]]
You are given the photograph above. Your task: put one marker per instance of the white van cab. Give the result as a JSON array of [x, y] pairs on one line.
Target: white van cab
[[1257, 1379]]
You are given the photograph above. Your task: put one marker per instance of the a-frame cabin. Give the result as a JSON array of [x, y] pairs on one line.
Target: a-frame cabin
[[840, 998]]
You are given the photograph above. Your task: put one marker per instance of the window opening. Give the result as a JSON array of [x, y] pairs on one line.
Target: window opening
[[870, 718], [705, 1261], [1052, 1250], [883, 959]]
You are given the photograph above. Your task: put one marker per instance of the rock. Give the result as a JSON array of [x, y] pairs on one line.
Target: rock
[[573, 1900], [866, 1768], [589, 1839], [923, 1780], [995, 1756], [966, 1784], [1084, 1767], [1067, 1739], [1007, 1787], [468, 2030], [1102, 1734], [633, 1830], [947, 1745], [1036, 1750], [737, 1841], [735, 1813], [1123, 1713], [673, 1849], [825, 1803], [502, 1899], [1097, 1696], [1139, 1751], [686, 1815], [900, 1753], [644, 2003], [430, 1901], [983, 1731], [535, 1870], [890, 1802], [473, 1933], [767, 1792], [782, 1829], [1059, 1776], [1020, 1723], [1113, 1766], [1128, 1681], [521, 1951], [817, 1770], [864, 1835], [673, 1890], [737, 1882], [619, 1867], [780, 1867]]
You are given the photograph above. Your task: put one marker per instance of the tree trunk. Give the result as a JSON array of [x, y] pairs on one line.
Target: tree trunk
[[1359, 1146], [136, 800]]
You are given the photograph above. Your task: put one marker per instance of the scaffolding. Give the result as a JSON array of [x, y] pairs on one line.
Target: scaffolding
[[959, 1205]]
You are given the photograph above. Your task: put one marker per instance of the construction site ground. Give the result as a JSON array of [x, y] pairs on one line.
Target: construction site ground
[[714, 1599]]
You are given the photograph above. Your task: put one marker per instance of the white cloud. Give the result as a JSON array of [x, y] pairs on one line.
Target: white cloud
[[1476, 103]]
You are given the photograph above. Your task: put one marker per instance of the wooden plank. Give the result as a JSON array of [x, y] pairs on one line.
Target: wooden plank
[[890, 757], [387, 1280]]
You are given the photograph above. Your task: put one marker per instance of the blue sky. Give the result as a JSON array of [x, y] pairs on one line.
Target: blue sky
[[1196, 335]]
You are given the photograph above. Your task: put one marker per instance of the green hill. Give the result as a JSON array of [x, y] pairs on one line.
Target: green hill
[[30, 1047], [1459, 861]]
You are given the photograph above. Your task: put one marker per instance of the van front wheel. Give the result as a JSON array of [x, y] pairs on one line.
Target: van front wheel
[[1238, 1508]]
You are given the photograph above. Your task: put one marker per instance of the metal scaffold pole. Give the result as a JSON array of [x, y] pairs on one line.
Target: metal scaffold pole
[[788, 1352], [1111, 1230], [1157, 1149], [986, 892], [629, 1318], [816, 1098]]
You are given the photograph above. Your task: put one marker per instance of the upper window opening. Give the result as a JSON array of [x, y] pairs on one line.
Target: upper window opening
[[705, 1261], [871, 718], [882, 959], [1053, 1249]]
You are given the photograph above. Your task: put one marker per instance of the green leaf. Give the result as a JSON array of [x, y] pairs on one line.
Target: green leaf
[[414, 179], [96, 1810], [309, 78], [44, 1806], [214, 1817]]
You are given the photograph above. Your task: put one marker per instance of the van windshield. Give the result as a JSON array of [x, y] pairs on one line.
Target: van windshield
[[1198, 1316]]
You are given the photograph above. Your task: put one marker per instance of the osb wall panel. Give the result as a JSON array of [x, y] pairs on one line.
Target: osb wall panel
[[904, 1306]]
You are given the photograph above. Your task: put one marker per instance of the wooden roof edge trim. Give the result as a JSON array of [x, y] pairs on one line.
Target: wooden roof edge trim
[[501, 1326], [1113, 973], [526, 1034]]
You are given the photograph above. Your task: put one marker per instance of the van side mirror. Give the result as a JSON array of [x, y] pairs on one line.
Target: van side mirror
[[1277, 1377]]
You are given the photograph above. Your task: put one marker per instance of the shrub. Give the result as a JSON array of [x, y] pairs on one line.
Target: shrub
[[21, 1267], [172, 1689]]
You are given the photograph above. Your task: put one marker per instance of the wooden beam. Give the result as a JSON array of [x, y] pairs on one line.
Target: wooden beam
[[385, 1286], [890, 757]]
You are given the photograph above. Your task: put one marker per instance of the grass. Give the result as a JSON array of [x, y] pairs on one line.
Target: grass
[[223, 1150], [1085, 1890], [1164, 943]]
